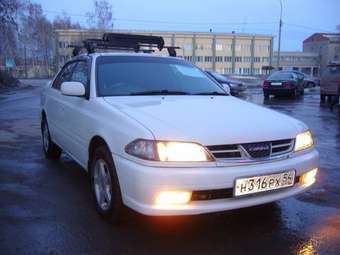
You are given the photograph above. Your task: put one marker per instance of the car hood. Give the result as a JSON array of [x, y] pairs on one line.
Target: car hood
[[207, 120]]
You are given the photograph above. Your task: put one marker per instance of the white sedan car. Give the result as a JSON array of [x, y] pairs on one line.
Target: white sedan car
[[159, 136]]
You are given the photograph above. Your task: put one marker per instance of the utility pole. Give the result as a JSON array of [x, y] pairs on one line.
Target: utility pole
[[279, 44], [25, 59]]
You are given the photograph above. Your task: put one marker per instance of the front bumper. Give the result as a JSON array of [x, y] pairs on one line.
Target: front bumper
[[140, 184]]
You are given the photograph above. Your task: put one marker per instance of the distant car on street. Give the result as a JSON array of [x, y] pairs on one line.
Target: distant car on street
[[285, 83], [235, 86], [330, 82], [310, 81]]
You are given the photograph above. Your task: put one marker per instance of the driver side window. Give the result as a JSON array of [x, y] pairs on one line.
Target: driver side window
[[65, 75]]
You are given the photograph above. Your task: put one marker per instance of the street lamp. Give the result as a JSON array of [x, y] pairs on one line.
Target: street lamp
[[279, 44]]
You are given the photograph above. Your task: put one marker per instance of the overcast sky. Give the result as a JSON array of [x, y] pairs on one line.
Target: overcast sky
[[301, 18]]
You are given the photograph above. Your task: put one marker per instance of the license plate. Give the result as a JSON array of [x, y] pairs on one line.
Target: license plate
[[256, 184], [276, 83]]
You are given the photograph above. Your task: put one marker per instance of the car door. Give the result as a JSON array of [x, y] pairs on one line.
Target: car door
[[76, 114], [54, 105]]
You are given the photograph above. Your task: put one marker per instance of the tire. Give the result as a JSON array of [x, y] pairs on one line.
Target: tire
[[105, 186], [322, 99], [294, 94], [266, 95], [51, 150]]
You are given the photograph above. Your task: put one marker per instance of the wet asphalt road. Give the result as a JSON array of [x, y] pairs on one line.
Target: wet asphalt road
[[45, 206]]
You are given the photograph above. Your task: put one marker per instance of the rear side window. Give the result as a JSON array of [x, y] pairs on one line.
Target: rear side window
[[64, 75]]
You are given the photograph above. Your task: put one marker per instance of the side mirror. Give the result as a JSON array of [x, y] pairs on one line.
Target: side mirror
[[72, 88], [226, 88]]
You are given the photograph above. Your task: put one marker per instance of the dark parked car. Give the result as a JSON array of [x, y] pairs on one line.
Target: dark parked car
[[235, 86], [283, 83]]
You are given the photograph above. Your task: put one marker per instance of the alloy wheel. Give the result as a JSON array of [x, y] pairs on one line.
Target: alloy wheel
[[102, 184]]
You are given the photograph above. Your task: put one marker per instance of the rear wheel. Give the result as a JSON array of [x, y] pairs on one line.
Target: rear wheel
[[105, 186], [266, 95], [51, 150], [302, 92], [294, 93], [322, 99]]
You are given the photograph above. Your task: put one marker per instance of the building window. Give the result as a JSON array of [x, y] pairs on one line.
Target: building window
[[237, 47], [245, 47], [208, 58], [238, 59], [257, 59], [219, 47], [247, 59], [228, 58], [257, 71], [228, 70], [227, 47], [218, 59], [246, 70], [187, 46]]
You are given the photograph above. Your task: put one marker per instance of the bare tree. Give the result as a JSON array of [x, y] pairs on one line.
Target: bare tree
[[36, 37], [102, 17], [63, 21], [8, 28]]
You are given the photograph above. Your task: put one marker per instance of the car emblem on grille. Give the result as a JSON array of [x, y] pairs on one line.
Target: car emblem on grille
[[257, 150]]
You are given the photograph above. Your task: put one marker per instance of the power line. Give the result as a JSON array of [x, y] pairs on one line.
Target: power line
[[213, 23], [166, 22]]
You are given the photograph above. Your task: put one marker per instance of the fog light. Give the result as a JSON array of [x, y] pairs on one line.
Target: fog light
[[309, 178], [168, 198]]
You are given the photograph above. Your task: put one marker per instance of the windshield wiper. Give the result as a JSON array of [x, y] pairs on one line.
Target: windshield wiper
[[214, 93], [158, 92]]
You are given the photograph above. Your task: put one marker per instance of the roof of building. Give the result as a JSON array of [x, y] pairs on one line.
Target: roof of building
[[60, 31], [319, 37]]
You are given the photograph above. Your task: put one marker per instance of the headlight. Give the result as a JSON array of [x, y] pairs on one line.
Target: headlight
[[168, 151], [303, 141]]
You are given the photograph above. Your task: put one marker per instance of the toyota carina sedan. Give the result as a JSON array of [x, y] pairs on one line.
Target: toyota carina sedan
[[159, 136]]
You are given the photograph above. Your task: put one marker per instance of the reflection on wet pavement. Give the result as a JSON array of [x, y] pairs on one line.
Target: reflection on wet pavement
[[45, 206]]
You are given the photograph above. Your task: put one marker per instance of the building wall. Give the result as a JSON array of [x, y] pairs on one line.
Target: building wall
[[327, 46], [222, 52], [306, 62]]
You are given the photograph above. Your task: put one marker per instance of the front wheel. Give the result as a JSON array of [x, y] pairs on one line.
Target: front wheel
[[105, 185], [51, 150]]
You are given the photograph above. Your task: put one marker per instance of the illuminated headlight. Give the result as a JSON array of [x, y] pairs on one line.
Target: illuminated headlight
[[303, 141], [168, 151]]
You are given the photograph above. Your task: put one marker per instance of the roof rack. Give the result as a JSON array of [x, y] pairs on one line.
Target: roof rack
[[125, 42]]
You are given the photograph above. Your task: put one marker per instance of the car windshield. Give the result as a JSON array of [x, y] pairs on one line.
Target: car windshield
[[281, 76], [143, 75]]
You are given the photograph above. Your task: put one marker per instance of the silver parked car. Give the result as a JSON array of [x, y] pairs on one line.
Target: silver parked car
[[235, 86]]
